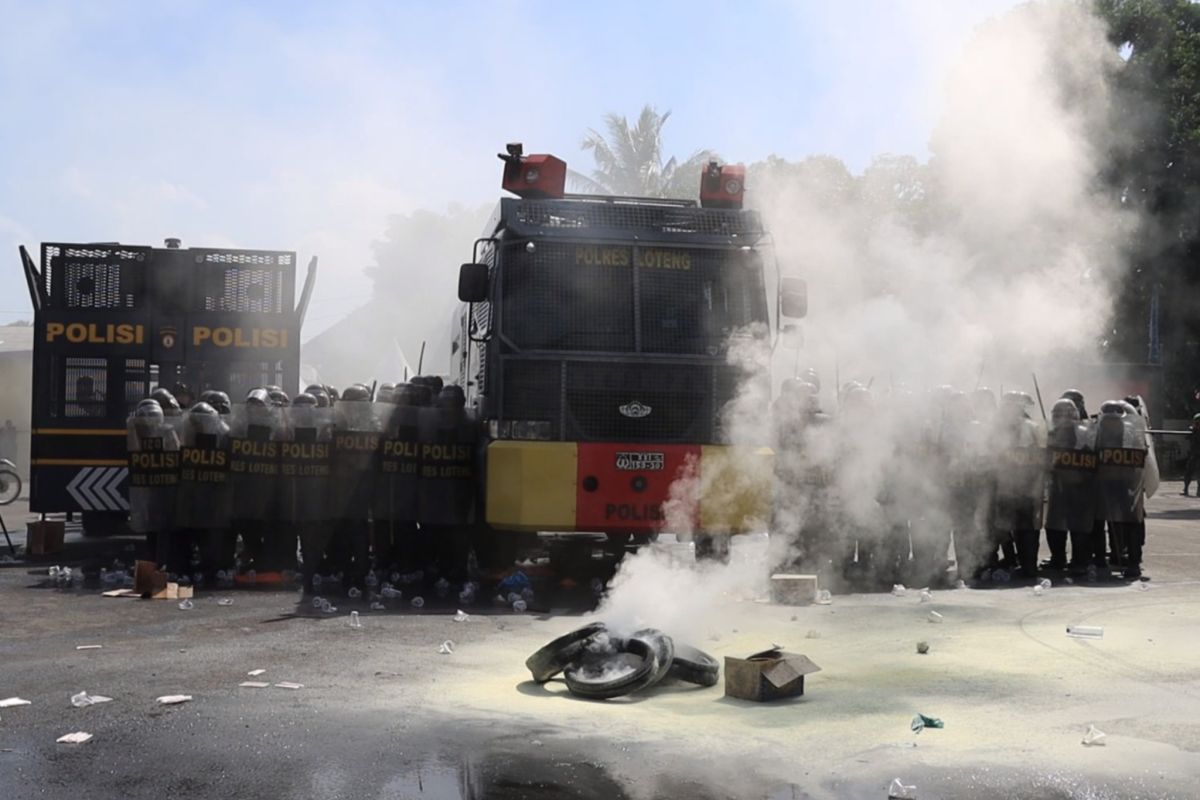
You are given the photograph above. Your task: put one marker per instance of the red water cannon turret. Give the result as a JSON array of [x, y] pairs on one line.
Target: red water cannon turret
[[538, 176], [722, 186]]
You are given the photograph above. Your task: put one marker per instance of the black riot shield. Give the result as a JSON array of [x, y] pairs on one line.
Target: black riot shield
[[394, 505], [306, 465], [153, 469], [204, 487], [1071, 484], [1121, 456], [448, 434], [355, 451], [255, 433]]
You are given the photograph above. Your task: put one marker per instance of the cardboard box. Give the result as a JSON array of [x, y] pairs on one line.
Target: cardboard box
[[793, 590], [150, 581], [769, 675], [44, 537]]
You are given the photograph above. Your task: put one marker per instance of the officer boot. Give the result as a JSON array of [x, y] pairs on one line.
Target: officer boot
[[1026, 542], [1134, 535], [1081, 551], [1057, 542]]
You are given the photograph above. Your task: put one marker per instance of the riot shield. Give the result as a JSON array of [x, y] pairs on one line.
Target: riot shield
[[255, 433], [1121, 455], [355, 451], [204, 487], [1071, 487], [153, 441], [448, 435], [399, 470], [306, 464]]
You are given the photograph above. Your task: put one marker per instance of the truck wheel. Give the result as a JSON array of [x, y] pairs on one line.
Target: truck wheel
[[694, 666], [551, 659], [604, 677]]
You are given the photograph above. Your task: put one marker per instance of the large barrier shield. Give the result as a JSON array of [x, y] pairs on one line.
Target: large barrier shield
[[153, 469], [204, 488], [448, 436], [306, 471], [1071, 490], [394, 505], [1121, 461]]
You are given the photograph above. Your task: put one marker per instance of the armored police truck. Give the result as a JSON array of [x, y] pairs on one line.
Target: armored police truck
[[114, 321], [595, 347]]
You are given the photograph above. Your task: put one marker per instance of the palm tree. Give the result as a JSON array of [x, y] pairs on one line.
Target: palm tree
[[629, 161]]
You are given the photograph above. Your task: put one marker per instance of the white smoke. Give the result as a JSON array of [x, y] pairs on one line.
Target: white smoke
[[993, 259]]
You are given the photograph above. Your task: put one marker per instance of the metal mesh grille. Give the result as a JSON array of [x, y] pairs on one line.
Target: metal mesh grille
[[86, 383], [533, 391], [482, 314], [245, 376], [137, 381], [244, 289], [95, 277], [603, 214], [553, 300], [695, 309]]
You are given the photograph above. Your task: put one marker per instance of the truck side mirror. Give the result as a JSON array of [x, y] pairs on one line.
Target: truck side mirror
[[793, 298], [473, 283]]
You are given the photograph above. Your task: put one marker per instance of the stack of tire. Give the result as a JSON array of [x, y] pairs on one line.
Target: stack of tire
[[599, 664]]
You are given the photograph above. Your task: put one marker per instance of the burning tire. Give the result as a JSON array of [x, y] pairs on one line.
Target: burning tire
[[664, 650], [631, 666], [694, 666], [554, 657]]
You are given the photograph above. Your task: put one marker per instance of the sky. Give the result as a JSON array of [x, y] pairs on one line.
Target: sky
[[303, 125]]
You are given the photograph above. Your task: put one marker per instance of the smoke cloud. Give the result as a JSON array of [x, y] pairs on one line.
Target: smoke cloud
[[995, 258]]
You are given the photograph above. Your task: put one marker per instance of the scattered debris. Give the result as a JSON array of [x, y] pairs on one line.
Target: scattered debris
[[254, 673], [961, 584], [824, 597], [254, 684], [934, 616], [186, 605], [79, 737], [225, 601], [1085, 632], [378, 606], [418, 602], [446, 648], [12, 702], [88, 646], [920, 722], [354, 593], [1094, 737], [520, 606], [84, 699], [174, 699], [899, 791], [898, 590], [1038, 591], [461, 616], [926, 596], [1142, 586], [355, 622], [770, 675], [289, 685], [1045, 583], [923, 647]]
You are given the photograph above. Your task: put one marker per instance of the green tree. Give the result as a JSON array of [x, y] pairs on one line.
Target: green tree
[[629, 160], [1156, 169]]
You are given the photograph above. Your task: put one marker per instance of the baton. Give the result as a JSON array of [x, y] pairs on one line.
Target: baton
[[1038, 389]]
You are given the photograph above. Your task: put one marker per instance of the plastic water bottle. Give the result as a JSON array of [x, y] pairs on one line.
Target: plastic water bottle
[[1045, 583], [418, 602], [328, 607], [519, 606], [355, 622], [824, 597], [898, 590], [1085, 631], [926, 596], [185, 605]]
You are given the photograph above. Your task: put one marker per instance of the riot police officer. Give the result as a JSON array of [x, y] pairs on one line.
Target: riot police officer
[[446, 491], [255, 434], [355, 451], [1019, 444], [306, 469], [204, 488], [395, 500], [1070, 509], [153, 445]]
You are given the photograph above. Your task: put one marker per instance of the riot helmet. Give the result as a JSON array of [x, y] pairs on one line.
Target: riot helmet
[[317, 391], [356, 392], [218, 400], [452, 396], [279, 398], [273, 388], [305, 400], [258, 397], [384, 395], [166, 400], [1064, 413], [1076, 397], [204, 419], [1113, 408], [182, 393], [148, 417]]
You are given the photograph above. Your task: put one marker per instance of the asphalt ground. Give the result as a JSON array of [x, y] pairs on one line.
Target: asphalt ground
[[382, 714]]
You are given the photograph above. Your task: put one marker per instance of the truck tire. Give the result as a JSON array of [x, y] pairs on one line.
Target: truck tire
[[588, 680], [554, 657], [694, 666], [664, 650]]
